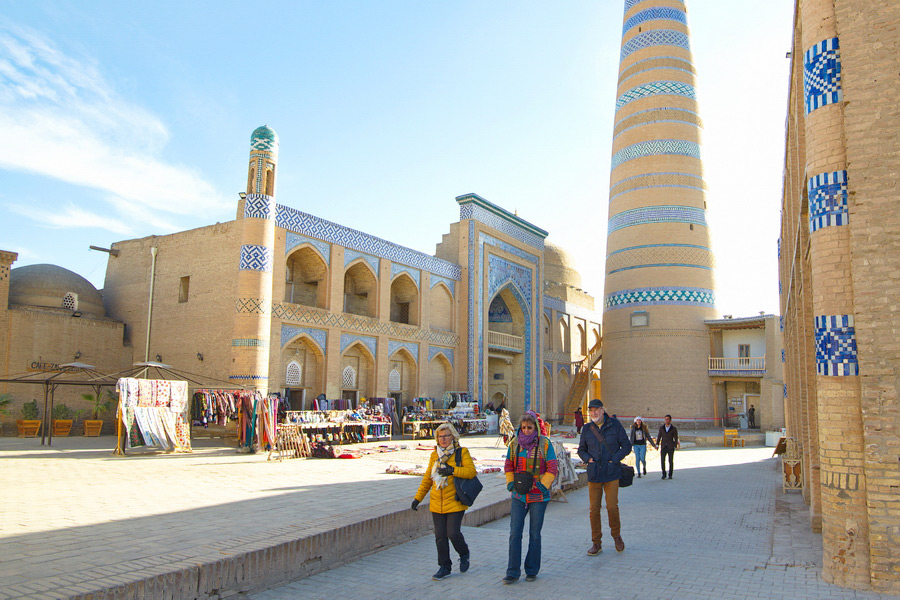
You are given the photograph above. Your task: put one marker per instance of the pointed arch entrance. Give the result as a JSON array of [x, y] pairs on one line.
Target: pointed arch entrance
[[507, 327]]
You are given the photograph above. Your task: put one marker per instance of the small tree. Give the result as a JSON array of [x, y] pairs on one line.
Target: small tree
[[100, 403], [5, 401], [61, 412], [30, 411]]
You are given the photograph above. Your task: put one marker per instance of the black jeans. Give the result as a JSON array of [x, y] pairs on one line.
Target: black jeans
[[662, 459], [447, 529]]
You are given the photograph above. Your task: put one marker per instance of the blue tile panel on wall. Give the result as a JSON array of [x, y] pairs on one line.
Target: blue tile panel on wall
[[566, 368], [249, 342], [351, 255], [411, 347], [655, 37], [655, 148], [259, 206], [416, 274], [470, 349], [827, 194], [249, 377], [318, 336], [446, 352], [498, 312], [292, 240], [307, 224], [679, 296], [436, 279], [370, 342], [785, 390], [631, 3], [656, 88], [501, 272], [836, 346], [657, 214], [256, 258], [494, 221], [658, 13], [822, 74]]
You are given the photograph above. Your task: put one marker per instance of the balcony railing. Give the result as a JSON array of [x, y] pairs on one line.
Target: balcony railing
[[749, 365], [505, 341]]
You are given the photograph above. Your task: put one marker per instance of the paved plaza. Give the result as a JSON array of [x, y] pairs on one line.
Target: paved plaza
[[76, 519]]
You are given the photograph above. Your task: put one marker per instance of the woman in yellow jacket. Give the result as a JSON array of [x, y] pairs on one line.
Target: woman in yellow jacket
[[446, 510]]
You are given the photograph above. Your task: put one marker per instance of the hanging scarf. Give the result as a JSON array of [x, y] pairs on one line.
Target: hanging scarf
[[443, 455]]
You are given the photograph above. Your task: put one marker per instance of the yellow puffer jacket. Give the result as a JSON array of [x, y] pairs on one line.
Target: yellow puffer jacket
[[444, 500]]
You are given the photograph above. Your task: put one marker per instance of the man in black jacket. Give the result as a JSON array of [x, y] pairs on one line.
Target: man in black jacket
[[667, 440], [602, 446]]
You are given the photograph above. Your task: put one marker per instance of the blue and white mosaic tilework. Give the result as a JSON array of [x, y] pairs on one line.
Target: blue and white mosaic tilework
[[292, 240], [501, 272], [259, 206], [256, 258], [249, 342], [478, 213], [446, 352], [785, 390], [822, 74], [548, 365], [658, 13], [567, 368], [655, 37], [782, 355], [264, 139], [700, 187], [779, 247], [451, 285], [351, 255], [781, 323], [656, 88], [369, 342], [827, 194], [629, 4], [411, 347], [661, 255], [655, 148], [248, 377], [492, 241], [307, 224], [318, 336], [836, 346], [657, 214], [498, 312], [416, 274], [680, 296], [470, 353]]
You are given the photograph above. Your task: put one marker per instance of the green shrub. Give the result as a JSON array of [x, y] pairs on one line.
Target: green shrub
[[30, 410], [61, 412]]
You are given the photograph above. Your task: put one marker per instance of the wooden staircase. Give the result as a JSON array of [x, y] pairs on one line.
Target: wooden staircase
[[582, 381]]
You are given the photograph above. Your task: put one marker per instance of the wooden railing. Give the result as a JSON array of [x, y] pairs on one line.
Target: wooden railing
[[752, 363], [582, 380], [505, 340]]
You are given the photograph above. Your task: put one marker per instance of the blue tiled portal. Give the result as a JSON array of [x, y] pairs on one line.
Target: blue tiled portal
[[836, 346], [822, 74]]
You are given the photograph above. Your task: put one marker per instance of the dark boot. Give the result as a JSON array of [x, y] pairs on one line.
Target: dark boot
[[463, 563]]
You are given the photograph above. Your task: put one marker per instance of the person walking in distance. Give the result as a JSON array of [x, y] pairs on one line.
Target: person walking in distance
[[579, 420], [640, 437], [602, 446], [446, 511], [751, 417], [667, 440]]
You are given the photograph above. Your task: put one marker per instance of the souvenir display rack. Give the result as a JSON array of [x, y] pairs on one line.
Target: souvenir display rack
[[340, 426], [422, 423]]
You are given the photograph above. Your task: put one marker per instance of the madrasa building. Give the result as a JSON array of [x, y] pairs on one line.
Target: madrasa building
[[280, 300]]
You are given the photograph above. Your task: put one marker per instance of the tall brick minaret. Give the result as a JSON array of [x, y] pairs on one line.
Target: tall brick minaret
[[659, 265]]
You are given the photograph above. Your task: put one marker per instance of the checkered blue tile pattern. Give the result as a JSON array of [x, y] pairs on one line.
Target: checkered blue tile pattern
[[836, 346], [655, 148], [368, 341], [256, 258], [416, 274], [411, 347], [827, 194], [782, 355], [781, 323], [629, 4], [680, 296], [351, 255], [307, 224], [822, 74], [656, 88], [436, 279], [657, 214], [248, 377], [264, 139], [259, 206], [446, 352], [318, 336], [658, 13], [292, 240], [494, 221], [655, 37], [785, 390]]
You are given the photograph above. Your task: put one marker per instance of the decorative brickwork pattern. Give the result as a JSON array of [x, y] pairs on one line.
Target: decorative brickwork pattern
[[836, 346], [292, 240], [494, 221], [656, 148], [657, 13], [318, 336], [655, 37], [657, 62], [827, 194], [822, 74], [657, 115], [683, 296], [256, 258], [629, 4], [654, 180], [656, 88], [657, 214], [248, 377], [249, 342], [659, 255]]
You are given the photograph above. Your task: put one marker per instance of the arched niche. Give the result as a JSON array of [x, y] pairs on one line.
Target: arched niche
[[306, 278], [402, 374], [404, 300], [441, 309], [360, 290], [360, 360], [307, 360]]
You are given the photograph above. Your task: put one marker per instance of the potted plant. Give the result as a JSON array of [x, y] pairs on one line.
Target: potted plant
[[5, 401], [29, 425], [62, 419], [100, 403]]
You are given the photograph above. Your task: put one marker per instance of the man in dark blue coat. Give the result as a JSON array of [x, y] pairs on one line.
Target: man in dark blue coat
[[602, 447]]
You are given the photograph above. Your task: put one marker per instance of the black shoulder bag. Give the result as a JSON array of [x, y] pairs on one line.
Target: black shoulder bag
[[627, 477], [466, 489], [523, 481]]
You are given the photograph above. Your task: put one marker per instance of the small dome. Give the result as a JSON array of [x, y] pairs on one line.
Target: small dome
[[264, 138], [54, 287], [559, 266]]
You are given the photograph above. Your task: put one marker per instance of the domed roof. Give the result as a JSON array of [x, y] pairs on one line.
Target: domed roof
[[54, 287], [559, 266], [264, 138]]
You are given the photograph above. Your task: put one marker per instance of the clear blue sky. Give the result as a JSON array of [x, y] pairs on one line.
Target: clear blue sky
[[127, 119]]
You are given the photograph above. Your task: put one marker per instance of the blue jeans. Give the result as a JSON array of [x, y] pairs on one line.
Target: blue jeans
[[640, 456], [518, 510]]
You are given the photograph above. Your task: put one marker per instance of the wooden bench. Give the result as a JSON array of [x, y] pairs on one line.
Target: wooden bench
[[733, 436]]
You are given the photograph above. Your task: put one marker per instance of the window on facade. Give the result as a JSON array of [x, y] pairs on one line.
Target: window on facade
[[640, 318], [294, 375], [70, 301], [348, 377], [744, 354], [394, 380], [184, 286]]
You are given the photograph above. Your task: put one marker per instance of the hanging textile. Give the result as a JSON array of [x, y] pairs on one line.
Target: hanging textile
[[152, 413]]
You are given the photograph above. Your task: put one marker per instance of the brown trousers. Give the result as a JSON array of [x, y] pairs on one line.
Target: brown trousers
[[596, 491]]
